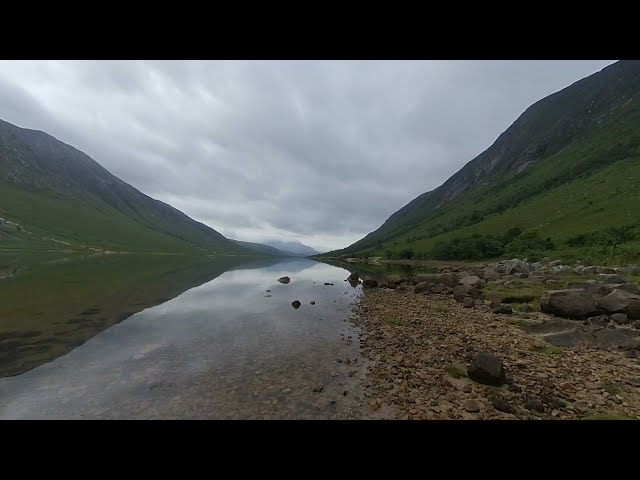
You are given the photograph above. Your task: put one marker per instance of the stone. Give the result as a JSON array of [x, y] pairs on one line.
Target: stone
[[569, 303], [554, 263], [490, 274], [370, 283], [438, 288], [318, 389], [423, 287], [461, 291], [467, 302], [500, 404], [284, 280], [620, 318], [471, 406], [449, 279], [534, 404], [600, 321], [354, 277], [295, 304], [394, 280], [472, 280], [621, 301], [522, 275], [503, 310], [487, 368], [612, 278], [526, 308], [312, 302], [513, 266]]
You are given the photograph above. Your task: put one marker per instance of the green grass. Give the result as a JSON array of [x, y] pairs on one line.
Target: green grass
[[591, 184], [456, 370], [547, 350], [609, 416], [611, 389], [395, 321], [92, 224], [518, 322]]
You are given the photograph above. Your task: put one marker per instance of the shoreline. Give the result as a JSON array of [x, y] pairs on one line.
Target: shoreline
[[415, 345]]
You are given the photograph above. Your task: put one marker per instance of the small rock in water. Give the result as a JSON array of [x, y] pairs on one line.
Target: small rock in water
[[295, 304], [267, 296], [312, 302], [268, 291], [284, 280]]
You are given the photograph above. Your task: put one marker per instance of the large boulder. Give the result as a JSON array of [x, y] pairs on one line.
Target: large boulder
[[394, 279], [514, 266], [462, 291], [423, 287], [449, 279], [370, 283], [490, 274], [621, 301], [569, 303], [472, 280], [612, 278], [487, 368]]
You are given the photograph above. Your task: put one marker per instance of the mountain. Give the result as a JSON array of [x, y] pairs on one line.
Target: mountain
[[564, 178], [54, 196], [261, 248], [293, 248]]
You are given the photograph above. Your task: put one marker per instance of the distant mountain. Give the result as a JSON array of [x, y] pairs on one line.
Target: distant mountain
[[54, 196], [557, 181], [295, 248], [261, 248]]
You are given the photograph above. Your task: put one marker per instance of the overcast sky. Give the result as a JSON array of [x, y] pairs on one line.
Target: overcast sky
[[317, 151]]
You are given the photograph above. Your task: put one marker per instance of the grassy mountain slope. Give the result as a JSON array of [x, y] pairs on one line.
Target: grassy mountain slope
[[61, 198], [568, 170]]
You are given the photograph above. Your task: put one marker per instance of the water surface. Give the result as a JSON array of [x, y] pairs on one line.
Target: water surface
[[222, 350]]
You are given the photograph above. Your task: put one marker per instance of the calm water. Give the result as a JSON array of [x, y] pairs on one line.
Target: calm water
[[221, 350]]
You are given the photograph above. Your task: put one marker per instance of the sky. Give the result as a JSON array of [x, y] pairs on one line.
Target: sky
[[320, 152]]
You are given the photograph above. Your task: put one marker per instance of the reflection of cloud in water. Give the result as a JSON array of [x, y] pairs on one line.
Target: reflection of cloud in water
[[226, 325]]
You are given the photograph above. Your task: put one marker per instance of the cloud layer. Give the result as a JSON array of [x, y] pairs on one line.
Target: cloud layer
[[316, 151]]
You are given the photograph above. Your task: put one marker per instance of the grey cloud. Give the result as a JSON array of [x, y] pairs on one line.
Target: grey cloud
[[316, 151]]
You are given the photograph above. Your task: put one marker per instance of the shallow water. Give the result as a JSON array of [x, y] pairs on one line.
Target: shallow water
[[222, 350]]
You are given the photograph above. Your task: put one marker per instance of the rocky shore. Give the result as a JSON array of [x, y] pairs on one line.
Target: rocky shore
[[436, 352]]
